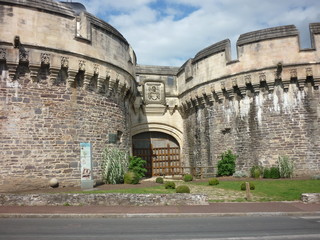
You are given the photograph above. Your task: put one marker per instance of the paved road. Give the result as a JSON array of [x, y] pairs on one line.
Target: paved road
[[246, 227]]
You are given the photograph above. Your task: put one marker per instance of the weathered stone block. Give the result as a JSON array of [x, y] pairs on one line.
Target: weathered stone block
[[310, 197]]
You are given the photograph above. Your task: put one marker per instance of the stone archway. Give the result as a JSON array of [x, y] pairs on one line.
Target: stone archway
[[160, 150]]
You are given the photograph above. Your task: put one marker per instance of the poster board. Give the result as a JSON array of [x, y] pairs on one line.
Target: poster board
[[86, 165]]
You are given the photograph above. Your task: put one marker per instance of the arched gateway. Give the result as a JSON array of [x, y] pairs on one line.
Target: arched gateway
[[160, 150]]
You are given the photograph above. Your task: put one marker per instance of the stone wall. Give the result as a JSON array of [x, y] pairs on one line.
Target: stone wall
[[258, 129], [261, 106], [42, 127], [107, 199]]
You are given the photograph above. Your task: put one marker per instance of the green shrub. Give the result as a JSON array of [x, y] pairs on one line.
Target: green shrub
[[159, 180], [131, 178], [187, 178], [266, 173], [256, 171], [169, 185], [182, 189], [227, 164], [274, 172], [114, 165], [137, 165], [213, 181], [286, 167], [243, 186]]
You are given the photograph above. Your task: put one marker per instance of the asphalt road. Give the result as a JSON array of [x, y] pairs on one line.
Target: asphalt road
[[247, 227]]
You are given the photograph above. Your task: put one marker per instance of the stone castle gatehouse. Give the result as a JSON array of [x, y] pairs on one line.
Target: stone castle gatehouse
[[68, 77]]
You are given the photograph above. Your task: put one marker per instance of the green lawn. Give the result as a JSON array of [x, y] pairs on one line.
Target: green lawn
[[266, 190], [275, 190]]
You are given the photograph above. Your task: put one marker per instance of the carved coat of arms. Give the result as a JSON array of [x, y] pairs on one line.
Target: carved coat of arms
[[154, 93]]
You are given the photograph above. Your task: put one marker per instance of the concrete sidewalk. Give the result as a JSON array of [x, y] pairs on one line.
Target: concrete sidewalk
[[213, 209]]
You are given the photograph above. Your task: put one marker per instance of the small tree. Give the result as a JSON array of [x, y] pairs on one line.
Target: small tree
[[137, 165], [227, 164]]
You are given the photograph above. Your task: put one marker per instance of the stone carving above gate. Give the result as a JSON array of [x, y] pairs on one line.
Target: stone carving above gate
[[154, 93]]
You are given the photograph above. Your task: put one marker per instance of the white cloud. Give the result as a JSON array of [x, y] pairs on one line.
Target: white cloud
[[170, 33]]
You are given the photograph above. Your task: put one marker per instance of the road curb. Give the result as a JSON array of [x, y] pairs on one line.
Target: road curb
[[151, 215]]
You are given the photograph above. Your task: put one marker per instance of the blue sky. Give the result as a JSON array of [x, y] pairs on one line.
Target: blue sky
[[169, 32]]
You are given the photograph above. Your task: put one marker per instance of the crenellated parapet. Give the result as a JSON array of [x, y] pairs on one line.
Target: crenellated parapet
[[66, 47], [266, 58]]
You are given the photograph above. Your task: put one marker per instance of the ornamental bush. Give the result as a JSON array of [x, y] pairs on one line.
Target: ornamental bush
[[131, 178], [187, 178], [114, 165], [256, 171], [182, 189], [286, 167], [227, 164], [159, 180], [137, 165], [266, 173], [169, 185], [274, 172], [243, 186], [213, 181]]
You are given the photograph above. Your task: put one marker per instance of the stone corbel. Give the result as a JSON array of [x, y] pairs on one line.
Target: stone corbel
[[199, 97], [172, 109], [24, 63], [249, 87], [12, 59], [45, 58], [236, 89], [112, 85], [71, 77], [87, 80], [100, 83], [172, 105], [263, 82], [54, 72], [34, 71], [309, 72], [123, 89]]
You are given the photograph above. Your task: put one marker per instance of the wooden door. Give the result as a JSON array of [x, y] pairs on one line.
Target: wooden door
[[161, 161]]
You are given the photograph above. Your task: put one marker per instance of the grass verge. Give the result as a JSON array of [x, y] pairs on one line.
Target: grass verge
[[266, 190], [274, 190]]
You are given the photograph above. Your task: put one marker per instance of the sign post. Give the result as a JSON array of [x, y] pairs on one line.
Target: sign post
[[86, 165]]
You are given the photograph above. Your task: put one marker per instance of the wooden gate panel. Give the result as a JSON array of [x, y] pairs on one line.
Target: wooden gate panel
[[160, 161]]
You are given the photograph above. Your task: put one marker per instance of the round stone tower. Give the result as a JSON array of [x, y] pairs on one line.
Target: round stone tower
[[67, 78]]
